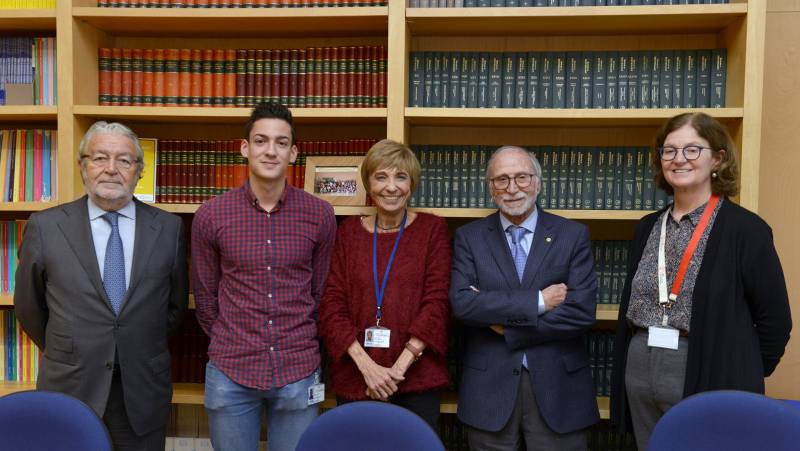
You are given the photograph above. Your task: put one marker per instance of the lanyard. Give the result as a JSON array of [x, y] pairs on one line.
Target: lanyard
[[379, 290], [666, 301]]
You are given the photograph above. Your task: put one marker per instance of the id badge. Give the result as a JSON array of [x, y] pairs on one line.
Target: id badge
[[316, 394], [377, 337], [662, 337]]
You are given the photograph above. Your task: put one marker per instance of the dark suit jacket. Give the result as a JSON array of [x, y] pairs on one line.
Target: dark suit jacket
[[60, 302], [740, 309], [553, 343]]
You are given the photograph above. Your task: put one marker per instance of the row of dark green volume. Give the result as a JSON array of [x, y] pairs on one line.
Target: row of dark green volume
[[236, 3], [574, 79], [534, 3], [573, 178], [600, 346], [610, 265]]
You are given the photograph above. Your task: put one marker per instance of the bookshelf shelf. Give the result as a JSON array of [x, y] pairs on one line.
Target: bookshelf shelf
[[228, 115], [515, 117], [12, 20], [607, 312], [28, 113], [25, 206], [617, 215], [574, 21], [184, 393], [353, 21], [6, 300]]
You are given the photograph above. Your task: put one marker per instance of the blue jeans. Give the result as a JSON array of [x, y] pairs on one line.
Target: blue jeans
[[234, 413]]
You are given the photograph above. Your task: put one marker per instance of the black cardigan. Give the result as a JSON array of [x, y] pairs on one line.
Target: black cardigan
[[740, 310]]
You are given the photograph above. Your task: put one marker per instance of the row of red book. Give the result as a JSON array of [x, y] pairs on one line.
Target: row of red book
[[313, 77], [237, 3], [193, 171]]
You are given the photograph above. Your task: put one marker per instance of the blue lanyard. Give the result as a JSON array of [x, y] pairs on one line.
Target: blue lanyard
[[379, 291]]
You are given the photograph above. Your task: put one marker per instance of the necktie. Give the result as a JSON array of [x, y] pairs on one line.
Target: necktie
[[520, 257], [114, 268], [517, 251]]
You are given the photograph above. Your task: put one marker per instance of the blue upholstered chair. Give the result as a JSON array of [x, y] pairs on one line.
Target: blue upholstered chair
[[369, 426], [49, 421], [728, 420]]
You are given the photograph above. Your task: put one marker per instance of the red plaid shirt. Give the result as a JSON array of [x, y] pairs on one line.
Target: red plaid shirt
[[258, 278]]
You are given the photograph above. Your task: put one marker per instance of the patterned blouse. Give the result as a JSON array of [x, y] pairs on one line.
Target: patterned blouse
[[644, 310]]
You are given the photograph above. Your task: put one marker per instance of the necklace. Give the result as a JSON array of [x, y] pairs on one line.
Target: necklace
[[385, 228]]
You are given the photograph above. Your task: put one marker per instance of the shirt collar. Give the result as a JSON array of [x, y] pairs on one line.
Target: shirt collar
[[128, 211], [253, 200], [528, 224], [694, 215]]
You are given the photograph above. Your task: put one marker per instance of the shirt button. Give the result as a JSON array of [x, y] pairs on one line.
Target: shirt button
[[515, 372], [269, 241], [269, 322], [269, 295], [269, 268], [271, 348], [268, 214]]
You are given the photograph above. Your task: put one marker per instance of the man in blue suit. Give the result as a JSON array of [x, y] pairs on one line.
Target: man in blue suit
[[523, 286]]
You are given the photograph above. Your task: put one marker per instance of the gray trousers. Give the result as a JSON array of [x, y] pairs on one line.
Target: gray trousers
[[654, 380], [119, 427], [525, 422]]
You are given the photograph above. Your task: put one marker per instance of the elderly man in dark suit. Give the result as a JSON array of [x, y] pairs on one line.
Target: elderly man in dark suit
[[523, 285], [101, 282]]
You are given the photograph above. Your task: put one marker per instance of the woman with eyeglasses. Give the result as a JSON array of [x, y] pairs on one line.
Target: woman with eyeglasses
[[704, 305]]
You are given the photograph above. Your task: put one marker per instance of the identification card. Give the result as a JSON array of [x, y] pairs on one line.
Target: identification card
[[316, 394], [377, 337], [662, 337]]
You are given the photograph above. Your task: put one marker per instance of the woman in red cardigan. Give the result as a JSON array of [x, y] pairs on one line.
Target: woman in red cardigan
[[384, 315]]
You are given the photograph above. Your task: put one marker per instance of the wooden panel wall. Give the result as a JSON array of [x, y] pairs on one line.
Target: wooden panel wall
[[779, 193]]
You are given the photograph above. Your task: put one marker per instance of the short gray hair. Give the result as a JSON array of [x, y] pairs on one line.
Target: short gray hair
[[112, 128], [537, 168]]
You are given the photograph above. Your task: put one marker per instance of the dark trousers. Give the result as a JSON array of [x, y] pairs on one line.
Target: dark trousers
[[425, 405], [526, 423], [654, 379], [119, 427]]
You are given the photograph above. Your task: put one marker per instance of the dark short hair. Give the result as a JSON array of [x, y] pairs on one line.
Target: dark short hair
[[269, 110], [727, 181], [387, 154]]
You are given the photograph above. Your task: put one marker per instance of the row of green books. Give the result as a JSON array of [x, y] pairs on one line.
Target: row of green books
[[573, 178], [540, 3], [575, 79], [600, 346], [611, 266]]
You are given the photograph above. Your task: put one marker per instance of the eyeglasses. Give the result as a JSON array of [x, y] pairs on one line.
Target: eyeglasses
[[669, 153], [502, 182], [102, 161]]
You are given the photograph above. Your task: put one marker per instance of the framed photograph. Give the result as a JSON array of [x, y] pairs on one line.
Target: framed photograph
[[336, 179]]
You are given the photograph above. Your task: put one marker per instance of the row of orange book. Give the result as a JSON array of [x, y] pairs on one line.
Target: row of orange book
[[193, 171], [313, 77], [236, 3]]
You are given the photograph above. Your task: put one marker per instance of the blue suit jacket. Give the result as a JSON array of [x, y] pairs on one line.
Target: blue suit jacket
[[553, 342]]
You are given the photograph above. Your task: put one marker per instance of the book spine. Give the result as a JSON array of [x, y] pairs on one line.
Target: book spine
[[484, 69], [690, 80], [622, 79], [703, 78], [509, 80], [436, 82], [159, 77], [454, 92], [655, 79], [137, 77], [644, 78], [573, 80], [229, 77], [546, 80], [521, 80], [559, 80], [719, 69], [587, 69], [185, 78], [678, 61], [666, 79], [633, 80], [612, 74], [444, 69], [495, 80], [104, 59], [171, 77], [196, 78], [218, 78], [116, 76]]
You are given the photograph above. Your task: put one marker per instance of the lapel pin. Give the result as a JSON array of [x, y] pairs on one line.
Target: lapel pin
[[548, 239]]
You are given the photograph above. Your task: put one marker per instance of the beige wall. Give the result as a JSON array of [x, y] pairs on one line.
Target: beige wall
[[779, 178]]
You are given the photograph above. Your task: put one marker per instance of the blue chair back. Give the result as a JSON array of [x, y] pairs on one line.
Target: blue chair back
[[369, 426], [50, 421], [727, 420]]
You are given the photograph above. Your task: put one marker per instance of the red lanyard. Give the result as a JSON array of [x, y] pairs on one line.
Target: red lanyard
[[690, 249]]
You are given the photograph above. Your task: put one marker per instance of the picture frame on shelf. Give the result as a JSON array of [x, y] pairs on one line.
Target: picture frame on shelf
[[336, 180]]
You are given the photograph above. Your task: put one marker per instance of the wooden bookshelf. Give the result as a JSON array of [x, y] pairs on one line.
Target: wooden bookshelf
[[28, 20], [227, 115], [26, 206], [28, 113], [81, 28], [574, 21], [515, 117], [351, 21], [6, 300], [607, 312]]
